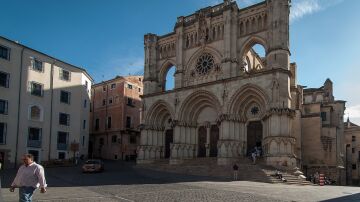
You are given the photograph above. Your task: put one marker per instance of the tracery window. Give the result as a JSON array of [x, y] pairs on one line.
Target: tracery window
[[204, 64]]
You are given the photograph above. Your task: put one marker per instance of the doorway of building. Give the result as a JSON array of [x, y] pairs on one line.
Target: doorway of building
[[168, 140], [202, 142], [254, 135], [214, 137]]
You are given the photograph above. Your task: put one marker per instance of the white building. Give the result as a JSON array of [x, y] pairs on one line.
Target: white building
[[44, 105]]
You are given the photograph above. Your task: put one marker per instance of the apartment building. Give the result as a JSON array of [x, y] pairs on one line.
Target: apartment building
[[115, 118], [352, 139], [44, 105]]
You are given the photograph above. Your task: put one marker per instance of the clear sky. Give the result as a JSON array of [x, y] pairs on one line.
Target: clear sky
[[106, 37]]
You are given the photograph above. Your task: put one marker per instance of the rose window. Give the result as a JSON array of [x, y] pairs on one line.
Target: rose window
[[204, 64]]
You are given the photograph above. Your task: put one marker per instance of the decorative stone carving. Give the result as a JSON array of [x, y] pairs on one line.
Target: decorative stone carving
[[205, 64]]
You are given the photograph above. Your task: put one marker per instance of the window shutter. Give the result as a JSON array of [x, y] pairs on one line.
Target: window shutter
[[42, 90], [30, 86], [32, 63], [7, 80], [68, 120], [5, 131], [69, 98], [60, 73], [6, 107], [69, 76]]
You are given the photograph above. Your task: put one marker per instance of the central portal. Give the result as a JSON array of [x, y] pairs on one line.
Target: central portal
[[168, 141], [254, 135], [202, 142], [214, 137]]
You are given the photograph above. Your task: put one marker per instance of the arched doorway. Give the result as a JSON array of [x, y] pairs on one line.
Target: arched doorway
[[202, 142], [254, 135], [214, 137], [168, 140]]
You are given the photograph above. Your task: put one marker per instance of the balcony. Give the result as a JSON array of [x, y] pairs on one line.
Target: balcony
[[62, 146], [34, 143]]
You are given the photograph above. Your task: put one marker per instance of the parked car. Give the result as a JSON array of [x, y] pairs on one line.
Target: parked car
[[93, 165]]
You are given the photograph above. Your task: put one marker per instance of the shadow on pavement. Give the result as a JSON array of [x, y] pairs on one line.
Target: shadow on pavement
[[353, 197], [116, 173]]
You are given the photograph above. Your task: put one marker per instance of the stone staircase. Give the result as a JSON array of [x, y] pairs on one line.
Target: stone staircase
[[208, 167]]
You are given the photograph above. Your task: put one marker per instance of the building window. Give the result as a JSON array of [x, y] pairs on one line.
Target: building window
[[35, 113], [104, 102], [104, 88], [113, 85], [65, 75], [113, 138], [353, 138], [132, 139], [62, 140], [139, 90], [129, 101], [323, 116], [61, 155], [109, 122], [4, 53], [86, 84], [64, 119], [129, 86], [85, 103], [354, 166], [36, 89], [110, 100], [3, 133], [128, 122], [65, 97], [353, 150], [3, 106], [84, 124], [37, 65], [34, 139], [4, 79], [97, 123], [139, 79]]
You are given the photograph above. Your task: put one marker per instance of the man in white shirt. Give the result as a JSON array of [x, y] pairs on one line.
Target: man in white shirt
[[29, 177]]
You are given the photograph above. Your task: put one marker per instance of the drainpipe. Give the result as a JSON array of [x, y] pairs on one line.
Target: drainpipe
[[18, 114], [51, 106]]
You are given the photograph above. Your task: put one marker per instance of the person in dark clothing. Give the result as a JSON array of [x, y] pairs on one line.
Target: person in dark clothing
[[236, 170]]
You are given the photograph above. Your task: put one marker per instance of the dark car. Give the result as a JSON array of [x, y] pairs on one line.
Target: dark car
[[93, 165]]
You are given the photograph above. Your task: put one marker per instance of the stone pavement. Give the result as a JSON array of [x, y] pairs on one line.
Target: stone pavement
[[124, 182]]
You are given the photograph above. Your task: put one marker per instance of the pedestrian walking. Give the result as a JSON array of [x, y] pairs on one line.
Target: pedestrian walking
[[29, 177], [236, 171]]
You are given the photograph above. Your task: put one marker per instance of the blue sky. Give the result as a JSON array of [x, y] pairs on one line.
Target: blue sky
[[106, 37]]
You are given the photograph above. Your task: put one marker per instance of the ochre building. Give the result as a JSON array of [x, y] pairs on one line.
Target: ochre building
[[228, 98], [115, 118]]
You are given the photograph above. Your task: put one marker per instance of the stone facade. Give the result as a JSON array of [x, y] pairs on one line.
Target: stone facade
[[352, 139], [227, 99], [46, 104], [115, 118]]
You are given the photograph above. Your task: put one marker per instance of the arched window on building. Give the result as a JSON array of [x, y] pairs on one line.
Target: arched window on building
[[255, 58], [35, 113], [170, 79]]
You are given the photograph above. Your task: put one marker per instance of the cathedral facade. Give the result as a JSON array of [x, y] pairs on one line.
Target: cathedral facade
[[228, 99]]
